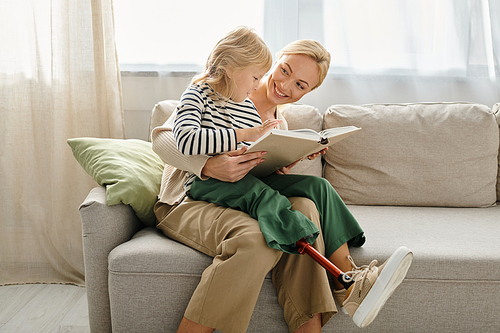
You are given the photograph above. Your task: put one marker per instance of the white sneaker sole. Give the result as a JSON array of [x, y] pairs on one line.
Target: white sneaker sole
[[391, 277]]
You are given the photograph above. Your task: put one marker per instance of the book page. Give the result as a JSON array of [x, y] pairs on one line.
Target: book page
[[305, 133], [331, 132]]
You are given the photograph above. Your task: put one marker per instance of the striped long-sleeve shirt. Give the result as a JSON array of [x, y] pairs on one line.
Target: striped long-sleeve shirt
[[204, 125]]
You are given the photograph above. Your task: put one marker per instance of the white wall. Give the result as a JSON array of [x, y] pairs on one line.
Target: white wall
[[142, 92]]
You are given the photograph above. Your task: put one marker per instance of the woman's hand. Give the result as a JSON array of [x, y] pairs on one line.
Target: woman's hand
[[233, 165], [286, 170], [313, 156]]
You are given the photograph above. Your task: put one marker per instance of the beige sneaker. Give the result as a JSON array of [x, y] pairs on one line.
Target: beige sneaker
[[374, 285], [339, 296]]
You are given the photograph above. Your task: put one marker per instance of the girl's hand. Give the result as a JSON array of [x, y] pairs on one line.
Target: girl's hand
[[253, 133]]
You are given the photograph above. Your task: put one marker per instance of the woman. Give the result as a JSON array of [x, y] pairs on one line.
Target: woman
[[229, 288]]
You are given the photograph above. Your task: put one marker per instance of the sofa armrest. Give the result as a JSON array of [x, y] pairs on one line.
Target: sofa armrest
[[104, 227]]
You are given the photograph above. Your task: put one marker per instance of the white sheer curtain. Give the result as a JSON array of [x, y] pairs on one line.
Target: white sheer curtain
[[383, 51], [424, 37], [397, 50], [170, 33], [59, 78], [400, 37]]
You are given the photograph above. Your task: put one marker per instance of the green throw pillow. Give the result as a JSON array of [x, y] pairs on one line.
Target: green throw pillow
[[129, 169]]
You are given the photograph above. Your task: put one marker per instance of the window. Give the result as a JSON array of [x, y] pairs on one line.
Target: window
[[395, 37], [412, 37], [170, 34]]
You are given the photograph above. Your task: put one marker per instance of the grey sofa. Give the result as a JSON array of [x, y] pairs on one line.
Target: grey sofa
[[436, 197]]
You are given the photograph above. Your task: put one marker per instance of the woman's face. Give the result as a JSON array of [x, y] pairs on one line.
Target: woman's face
[[293, 76]]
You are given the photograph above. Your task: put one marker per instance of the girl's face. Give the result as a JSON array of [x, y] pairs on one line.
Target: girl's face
[[246, 82], [293, 76]]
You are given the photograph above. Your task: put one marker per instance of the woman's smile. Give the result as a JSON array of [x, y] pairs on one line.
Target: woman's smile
[[279, 92]]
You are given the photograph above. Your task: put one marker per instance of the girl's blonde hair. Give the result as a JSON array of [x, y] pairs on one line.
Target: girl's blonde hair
[[238, 50], [312, 49]]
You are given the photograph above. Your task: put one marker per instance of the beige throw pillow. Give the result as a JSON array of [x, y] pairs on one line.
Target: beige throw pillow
[[160, 114], [426, 154]]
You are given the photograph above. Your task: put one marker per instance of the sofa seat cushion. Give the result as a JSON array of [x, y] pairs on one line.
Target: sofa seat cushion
[[149, 251], [454, 248], [448, 243], [423, 154]]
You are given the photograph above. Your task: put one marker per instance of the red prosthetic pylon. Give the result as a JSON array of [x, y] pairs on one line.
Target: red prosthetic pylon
[[305, 248]]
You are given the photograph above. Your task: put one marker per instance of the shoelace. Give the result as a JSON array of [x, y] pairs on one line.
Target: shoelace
[[359, 272]]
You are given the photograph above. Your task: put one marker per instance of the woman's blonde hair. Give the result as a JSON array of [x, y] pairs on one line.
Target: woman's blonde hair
[[238, 50], [312, 49]]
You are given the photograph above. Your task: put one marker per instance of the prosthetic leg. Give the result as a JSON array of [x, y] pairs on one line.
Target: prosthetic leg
[[305, 247], [364, 310]]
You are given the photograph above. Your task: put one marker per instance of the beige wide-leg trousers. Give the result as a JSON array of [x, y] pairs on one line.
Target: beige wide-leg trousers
[[229, 287]]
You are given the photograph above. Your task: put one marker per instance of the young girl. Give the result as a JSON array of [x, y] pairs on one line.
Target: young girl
[[215, 116]]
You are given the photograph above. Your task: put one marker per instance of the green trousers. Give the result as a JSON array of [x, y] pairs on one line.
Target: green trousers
[[265, 199]]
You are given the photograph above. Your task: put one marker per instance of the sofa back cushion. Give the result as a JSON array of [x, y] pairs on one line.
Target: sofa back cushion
[[160, 113], [300, 116], [425, 154]]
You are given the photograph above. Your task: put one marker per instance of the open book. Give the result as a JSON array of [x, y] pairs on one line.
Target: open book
[[285, 147]]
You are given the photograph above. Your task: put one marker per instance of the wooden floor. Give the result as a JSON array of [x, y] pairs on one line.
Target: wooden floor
[[41, 308]]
